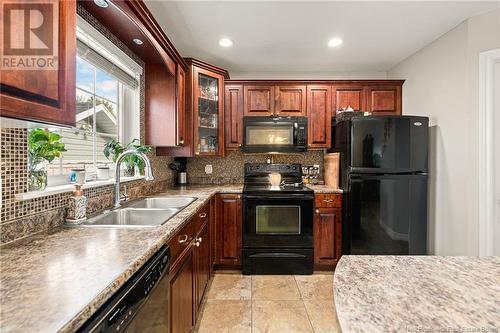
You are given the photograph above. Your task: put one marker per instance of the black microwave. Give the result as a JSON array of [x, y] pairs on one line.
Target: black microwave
[[274, 134]]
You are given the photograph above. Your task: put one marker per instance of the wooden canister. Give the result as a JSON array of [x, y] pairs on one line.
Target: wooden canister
[[331, 167]]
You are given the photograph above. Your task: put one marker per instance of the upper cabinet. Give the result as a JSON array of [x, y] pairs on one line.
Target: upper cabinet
[[45, 94], [316, 100], [233, 116], [259, 100], [346, 95], [202, 129], [384, 100], [290, 100], [319, 114]]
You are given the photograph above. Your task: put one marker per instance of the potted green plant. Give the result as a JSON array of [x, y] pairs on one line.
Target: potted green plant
[[43, 147], [113, 149]]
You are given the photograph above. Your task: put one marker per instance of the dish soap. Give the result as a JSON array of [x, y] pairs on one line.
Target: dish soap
[[77, 206]]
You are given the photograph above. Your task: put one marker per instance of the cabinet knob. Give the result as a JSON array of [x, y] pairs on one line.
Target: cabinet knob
[[203, 215], [199, 239], [197, 244], [239, 145], [317, 211], [181, 141], [239, 197], [183, 240]]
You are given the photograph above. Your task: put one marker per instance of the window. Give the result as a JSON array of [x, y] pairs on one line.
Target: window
[[107, 104]]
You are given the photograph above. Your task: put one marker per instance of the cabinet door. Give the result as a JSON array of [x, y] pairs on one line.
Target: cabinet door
[[384, 100], [349, 96], [202, 259], [259, 100], [181, 106], [233, 116], [48, 93], [181, 295], [319, 113], [229, 232], [208, 112], [327, 235], [290, 100]]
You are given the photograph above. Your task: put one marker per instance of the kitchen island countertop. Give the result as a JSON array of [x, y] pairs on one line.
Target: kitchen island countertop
[[417, 294]]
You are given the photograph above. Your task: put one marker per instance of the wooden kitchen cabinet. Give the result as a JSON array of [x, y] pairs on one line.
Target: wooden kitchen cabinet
[[190, 270], [233, 116], [384, 100], [353, 96], [44, 95], [204, 112], [259, 100], [181, 294], [202, 260], [319, 114], [290, 100], [229, 218], [327, 230]]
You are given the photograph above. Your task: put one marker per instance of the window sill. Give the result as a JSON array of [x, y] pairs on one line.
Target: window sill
[[70, 187]]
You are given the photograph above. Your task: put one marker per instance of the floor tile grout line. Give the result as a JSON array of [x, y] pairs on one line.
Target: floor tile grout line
[[304, 304]]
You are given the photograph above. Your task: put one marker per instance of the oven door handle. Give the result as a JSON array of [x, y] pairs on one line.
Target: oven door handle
[[277, 255], [284, 197]]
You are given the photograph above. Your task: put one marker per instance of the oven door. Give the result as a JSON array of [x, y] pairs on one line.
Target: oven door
[[266, 135], [278, 221]]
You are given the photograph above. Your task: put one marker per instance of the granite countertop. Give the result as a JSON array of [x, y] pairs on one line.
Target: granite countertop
[[53, 282], [324, 189], [417, 294]]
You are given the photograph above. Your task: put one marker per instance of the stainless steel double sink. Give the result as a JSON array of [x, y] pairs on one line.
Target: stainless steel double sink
[[144, 212]]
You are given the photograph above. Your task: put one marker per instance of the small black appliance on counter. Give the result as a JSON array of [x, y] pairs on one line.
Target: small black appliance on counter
[[277, 220], [179, 165], [384, 167]]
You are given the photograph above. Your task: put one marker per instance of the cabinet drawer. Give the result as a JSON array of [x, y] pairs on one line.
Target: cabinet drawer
[[202, 215], [181, 240], [328, 200]]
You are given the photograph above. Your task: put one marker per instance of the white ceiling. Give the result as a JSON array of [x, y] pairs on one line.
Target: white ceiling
[[291, 37]]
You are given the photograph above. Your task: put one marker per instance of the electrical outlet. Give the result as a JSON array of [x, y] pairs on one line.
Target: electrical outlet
[[208, 169]]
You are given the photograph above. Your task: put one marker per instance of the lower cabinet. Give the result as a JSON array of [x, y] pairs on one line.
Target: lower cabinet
[[181, 294], [228, 229], [327, 230], [190, 271]]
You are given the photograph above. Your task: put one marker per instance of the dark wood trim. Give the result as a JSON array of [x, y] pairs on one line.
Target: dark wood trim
[[207, 66], [296, 82]]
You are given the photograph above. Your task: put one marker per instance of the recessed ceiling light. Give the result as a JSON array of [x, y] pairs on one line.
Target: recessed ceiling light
[[101, 3], [334, 42], [225, 42], [137, 41]]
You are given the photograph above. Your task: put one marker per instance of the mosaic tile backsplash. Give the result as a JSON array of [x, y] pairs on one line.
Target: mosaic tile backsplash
[[229, 169], [22, 218]]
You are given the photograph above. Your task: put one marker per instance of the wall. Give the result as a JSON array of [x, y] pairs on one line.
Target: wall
[[19, 219], [442, 83], [229, 169]]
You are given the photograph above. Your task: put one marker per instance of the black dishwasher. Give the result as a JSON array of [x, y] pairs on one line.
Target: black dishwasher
[[141, 305]]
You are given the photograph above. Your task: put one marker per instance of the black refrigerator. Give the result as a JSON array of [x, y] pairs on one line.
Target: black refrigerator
[[384, 167]]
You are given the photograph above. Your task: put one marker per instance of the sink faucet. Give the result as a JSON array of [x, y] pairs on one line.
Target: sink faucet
[[148, 173]]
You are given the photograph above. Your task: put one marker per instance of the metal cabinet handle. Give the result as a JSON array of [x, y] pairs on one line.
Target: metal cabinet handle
[[197, 244], [199, 239], [183, 240], [327, 200], [203, 215]]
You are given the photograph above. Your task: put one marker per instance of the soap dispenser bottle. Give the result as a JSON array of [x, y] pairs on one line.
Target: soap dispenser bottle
[[77, 206]]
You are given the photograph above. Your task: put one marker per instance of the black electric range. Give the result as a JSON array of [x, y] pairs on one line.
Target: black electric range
[[278, 221]]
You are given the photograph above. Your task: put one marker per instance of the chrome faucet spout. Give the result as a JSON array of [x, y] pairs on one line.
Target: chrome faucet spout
[[148, 172]]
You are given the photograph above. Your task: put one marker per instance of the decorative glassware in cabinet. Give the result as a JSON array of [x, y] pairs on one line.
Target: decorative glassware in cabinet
[[208, 114]]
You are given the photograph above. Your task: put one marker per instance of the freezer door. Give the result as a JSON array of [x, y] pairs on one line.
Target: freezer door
[[386, 214], [389, 144]]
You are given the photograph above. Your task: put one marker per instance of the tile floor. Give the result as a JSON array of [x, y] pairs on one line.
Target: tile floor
[[269, 303]]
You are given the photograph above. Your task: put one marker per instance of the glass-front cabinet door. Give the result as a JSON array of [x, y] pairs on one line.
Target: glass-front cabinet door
[[208, 113]]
